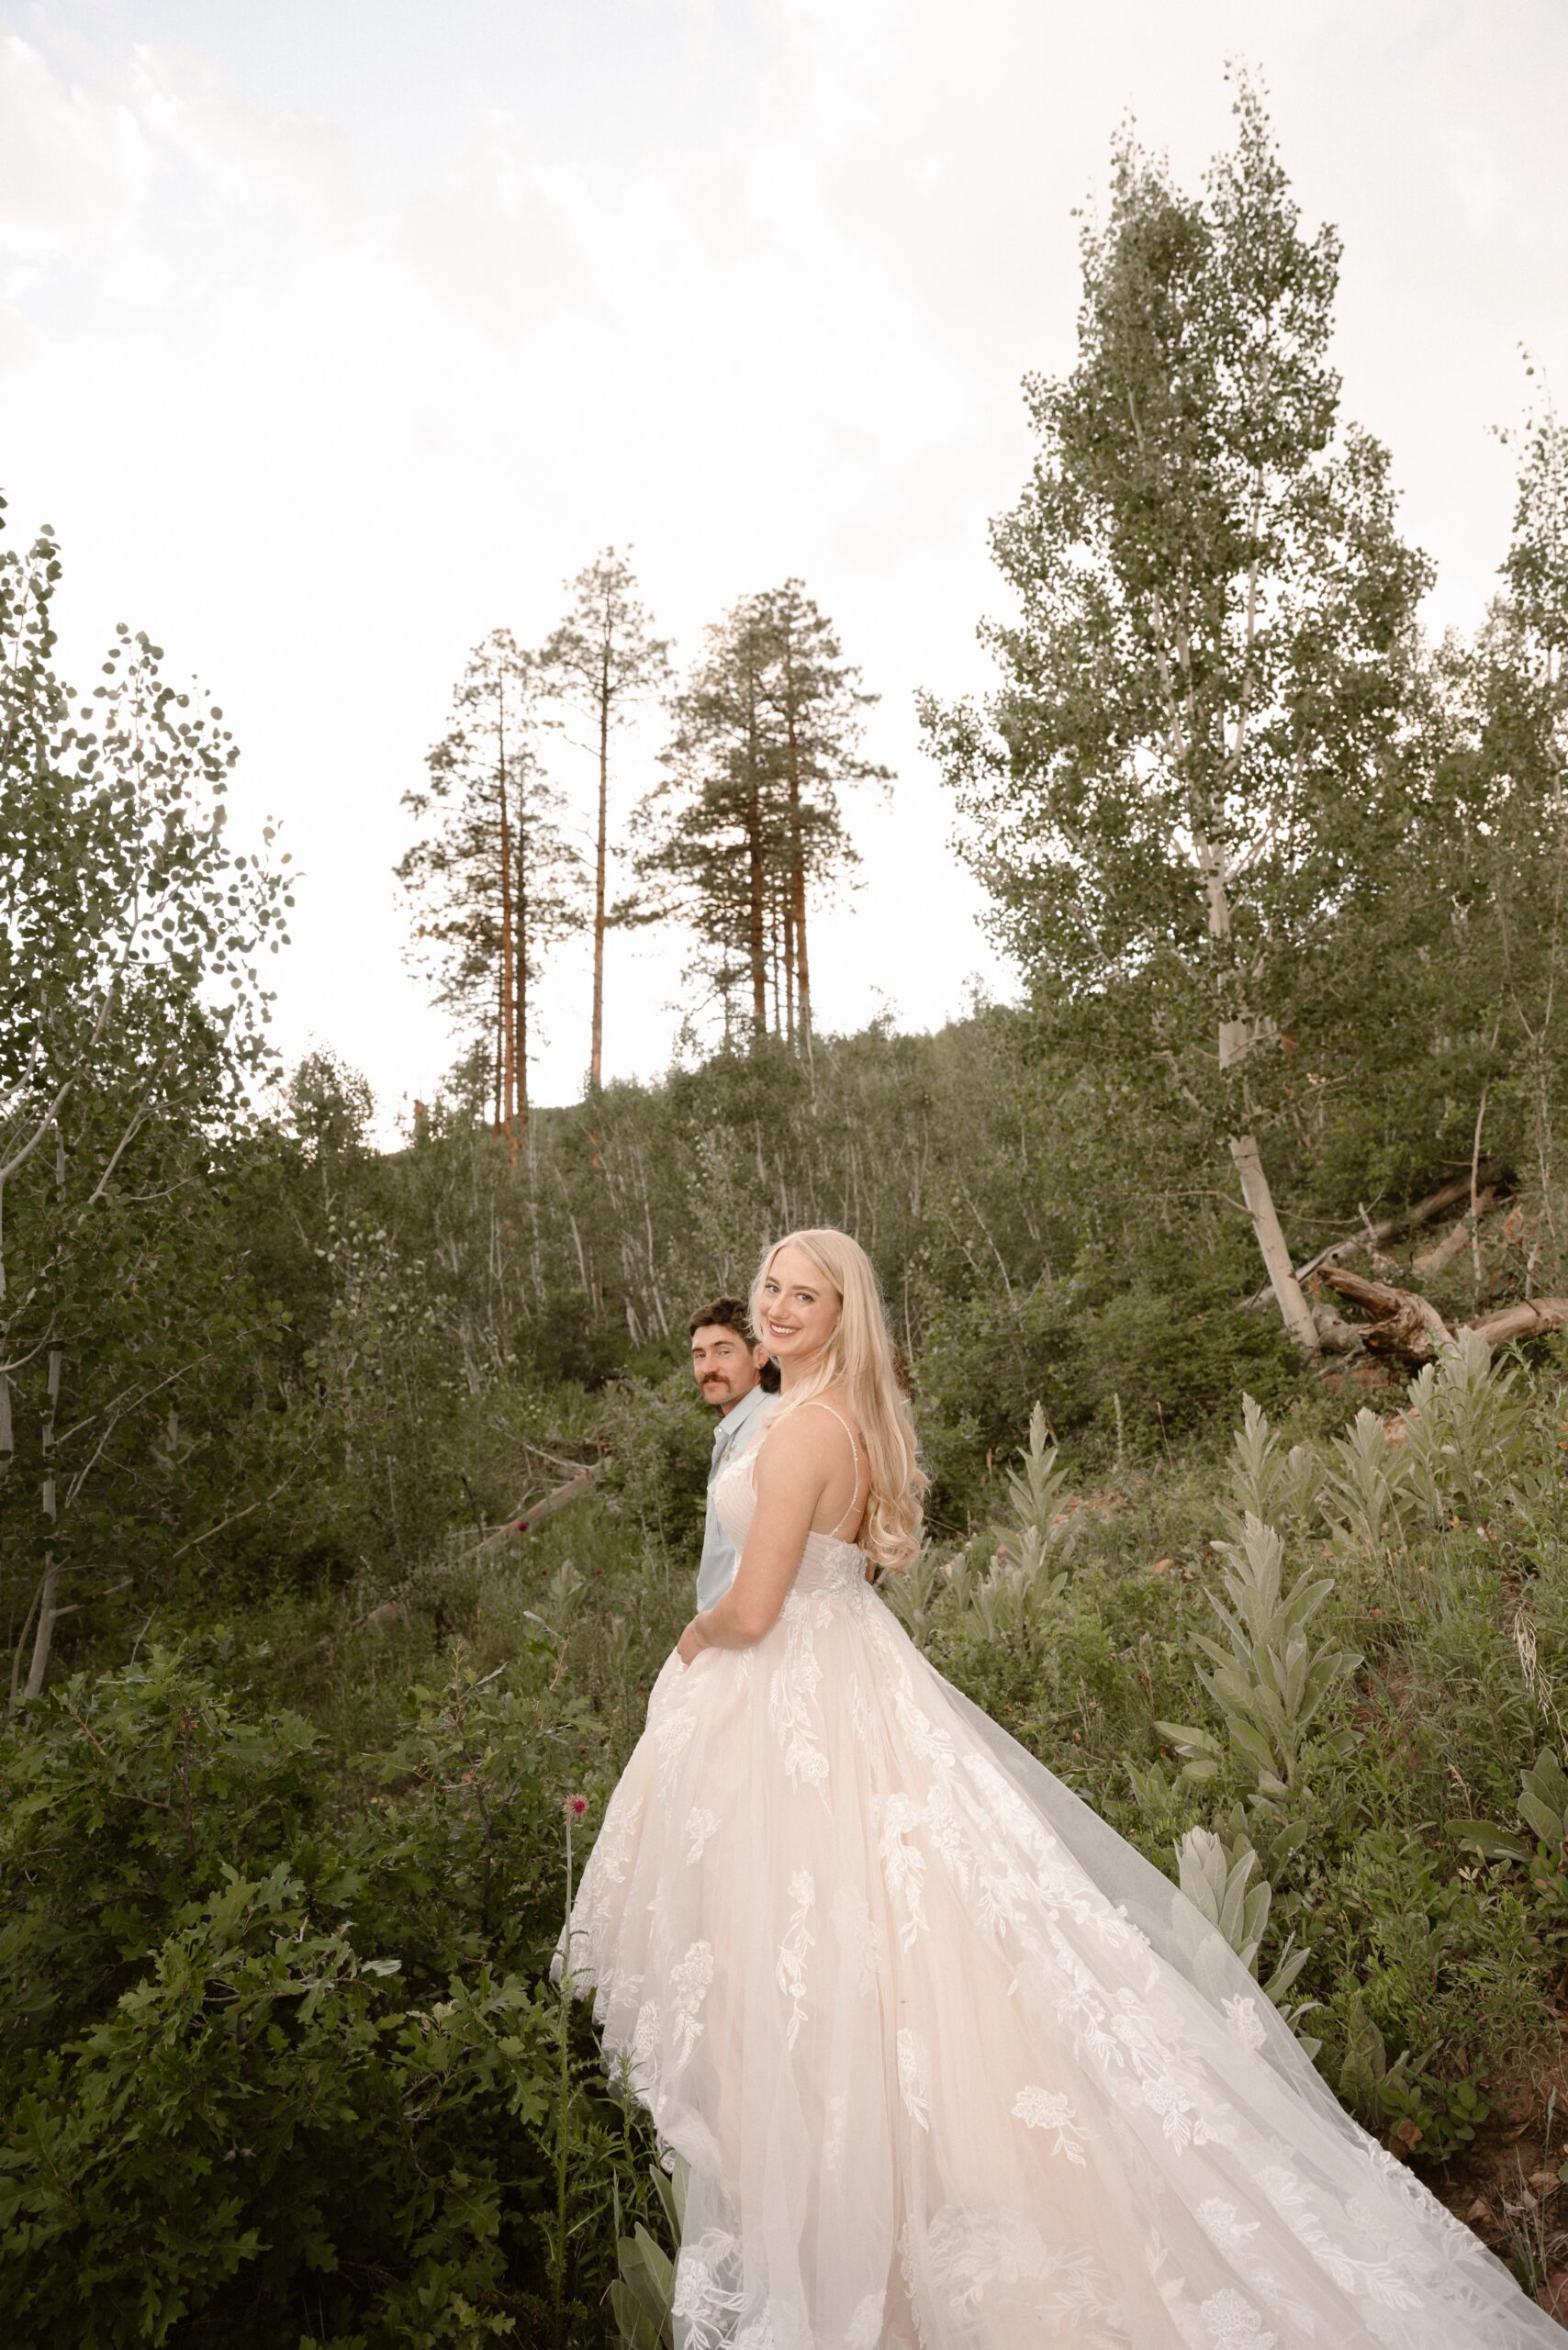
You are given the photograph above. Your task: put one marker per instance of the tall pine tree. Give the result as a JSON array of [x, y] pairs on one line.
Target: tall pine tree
[[602, 661], [748, 821], [494, 880]]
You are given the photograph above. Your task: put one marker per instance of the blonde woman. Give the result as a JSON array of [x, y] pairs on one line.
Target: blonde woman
[[953, 2066]]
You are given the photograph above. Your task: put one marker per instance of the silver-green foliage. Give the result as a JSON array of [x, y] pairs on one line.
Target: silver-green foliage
[[915, 1595], [1461, 1447], [1013, 1597], [1364, 1480], [1269, 1677], [1225, 1883], [642, 2299], [1468, 1432], [1029, 1572], [1266, 1480]]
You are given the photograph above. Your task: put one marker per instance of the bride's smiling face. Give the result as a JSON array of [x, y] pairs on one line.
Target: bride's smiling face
[[799, 1308]]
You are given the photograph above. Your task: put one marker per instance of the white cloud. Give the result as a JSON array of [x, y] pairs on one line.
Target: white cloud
[[328, 355]]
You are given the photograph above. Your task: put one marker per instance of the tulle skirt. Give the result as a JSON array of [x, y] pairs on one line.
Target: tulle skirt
[[954, 2067]]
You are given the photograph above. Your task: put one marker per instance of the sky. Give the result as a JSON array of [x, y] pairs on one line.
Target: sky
[[335, 333]]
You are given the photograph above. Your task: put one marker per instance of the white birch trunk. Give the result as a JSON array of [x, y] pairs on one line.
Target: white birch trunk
[[1237, 1039]]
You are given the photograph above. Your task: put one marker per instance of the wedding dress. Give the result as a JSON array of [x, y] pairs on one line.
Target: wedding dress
[[954, 2067]]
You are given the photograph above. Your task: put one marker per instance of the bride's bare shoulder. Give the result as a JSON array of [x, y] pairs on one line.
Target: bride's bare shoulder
[[810, 1434], [831, 1420]]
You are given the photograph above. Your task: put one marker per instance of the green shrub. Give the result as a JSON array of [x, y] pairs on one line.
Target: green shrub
[[263, 2130], [121, 1801]]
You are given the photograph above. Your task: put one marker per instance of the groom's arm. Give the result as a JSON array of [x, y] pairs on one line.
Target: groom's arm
[[791, 1472]]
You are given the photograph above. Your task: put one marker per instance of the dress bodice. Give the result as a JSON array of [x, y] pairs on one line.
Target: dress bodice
[[827, 1563]]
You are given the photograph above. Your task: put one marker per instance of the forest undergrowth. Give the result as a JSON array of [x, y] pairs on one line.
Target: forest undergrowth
[[284, 2063]]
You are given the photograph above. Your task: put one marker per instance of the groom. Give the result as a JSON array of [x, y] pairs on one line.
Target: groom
[[734, 1373]]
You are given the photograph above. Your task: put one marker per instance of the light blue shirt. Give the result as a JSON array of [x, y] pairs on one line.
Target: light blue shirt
[[736, 1430]]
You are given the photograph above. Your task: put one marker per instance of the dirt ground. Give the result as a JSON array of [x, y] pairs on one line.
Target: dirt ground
[[1505, 2185]]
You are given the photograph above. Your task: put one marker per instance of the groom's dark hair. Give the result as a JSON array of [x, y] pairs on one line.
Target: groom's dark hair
[[734, 1314]]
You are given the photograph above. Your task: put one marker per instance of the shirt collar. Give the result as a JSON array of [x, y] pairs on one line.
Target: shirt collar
[[732, 1423]]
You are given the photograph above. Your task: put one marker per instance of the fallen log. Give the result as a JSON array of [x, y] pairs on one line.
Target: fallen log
[[1493, 1176], [562, 1498], [1411, 1327], [1339, 1337], [1405, 1325], [1531, 1318]]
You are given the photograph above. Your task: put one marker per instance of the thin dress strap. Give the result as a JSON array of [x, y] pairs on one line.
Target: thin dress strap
[[855, 1449]]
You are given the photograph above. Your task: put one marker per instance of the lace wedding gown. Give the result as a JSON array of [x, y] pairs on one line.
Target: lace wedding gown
[[954, 2067]]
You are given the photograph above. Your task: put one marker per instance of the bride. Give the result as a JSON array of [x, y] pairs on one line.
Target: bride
[[953, 2066]]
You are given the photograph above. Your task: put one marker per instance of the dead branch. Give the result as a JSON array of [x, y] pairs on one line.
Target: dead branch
[[1443, 1252], [1494, 1176], [562, 1498], [1335, 1334]]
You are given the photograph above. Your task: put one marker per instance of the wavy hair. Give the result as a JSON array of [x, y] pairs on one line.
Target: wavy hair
[[860, 1357]]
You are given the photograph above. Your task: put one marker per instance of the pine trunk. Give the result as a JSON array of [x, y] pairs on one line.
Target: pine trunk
[[508, 1010], [596, 1049], [757, 879], [798, 882], [522, 969]]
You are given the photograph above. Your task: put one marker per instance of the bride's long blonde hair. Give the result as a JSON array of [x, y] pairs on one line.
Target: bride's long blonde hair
[[859, 1358]]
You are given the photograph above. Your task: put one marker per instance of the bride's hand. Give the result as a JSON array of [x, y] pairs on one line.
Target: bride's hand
[[690, 1644]]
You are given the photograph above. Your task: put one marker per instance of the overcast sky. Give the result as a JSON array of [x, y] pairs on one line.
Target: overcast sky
[[334, 333]]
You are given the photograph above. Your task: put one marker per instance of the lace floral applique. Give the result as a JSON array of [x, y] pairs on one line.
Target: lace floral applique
[[929, 1739], [1234, 2324], [859, 1940], [792, 1694], [642, 2059], [671, 1734], [1223, 2226], [859, 1711], [833, 2133], [1040, 2109], [1245, 2019], [903, 1865], [707, 2294], [948, 1837], [984, 2255], [1137, 2058], [612, 1847], [700, 1824], [1385, 2280], [863, 2331], [688, 1986], [792, 1966], [913, 2086]]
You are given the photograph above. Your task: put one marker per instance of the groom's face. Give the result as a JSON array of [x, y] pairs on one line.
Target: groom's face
[[722, 1364]]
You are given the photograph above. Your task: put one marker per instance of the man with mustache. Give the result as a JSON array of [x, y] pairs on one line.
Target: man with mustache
[[733, 1373]]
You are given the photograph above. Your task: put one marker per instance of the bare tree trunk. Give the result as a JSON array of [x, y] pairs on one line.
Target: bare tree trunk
[[49, 1590], [1293, 1308], [798, 882], [756, 876], [521, 966], [596, 1046], [1237, 1037], [501, 1055], [509, 1011], [790, 1023]]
